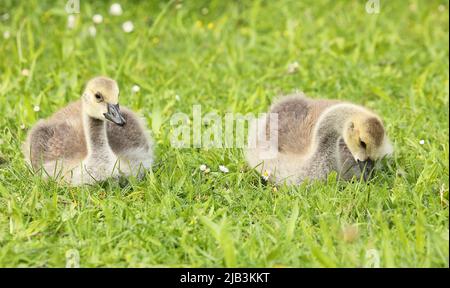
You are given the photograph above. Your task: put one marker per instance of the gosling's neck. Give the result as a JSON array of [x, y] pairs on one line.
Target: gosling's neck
[[96, 137]]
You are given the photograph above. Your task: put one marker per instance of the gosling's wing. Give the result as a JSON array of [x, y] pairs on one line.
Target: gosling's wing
[[53, 141], [133, 136], [297, 116]]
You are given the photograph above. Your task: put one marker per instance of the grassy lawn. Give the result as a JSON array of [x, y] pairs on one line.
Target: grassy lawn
[[229, 56]]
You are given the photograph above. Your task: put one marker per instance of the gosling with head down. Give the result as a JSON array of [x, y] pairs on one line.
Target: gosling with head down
[[91, 139], [316, 137]]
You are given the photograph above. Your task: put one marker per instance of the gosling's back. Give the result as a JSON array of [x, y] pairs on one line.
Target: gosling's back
[[61, 137], [297, 116]]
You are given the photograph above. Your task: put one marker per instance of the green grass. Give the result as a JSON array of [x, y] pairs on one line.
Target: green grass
[[233, 58]]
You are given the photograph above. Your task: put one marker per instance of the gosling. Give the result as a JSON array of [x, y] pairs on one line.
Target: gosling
[[316, 137], [91, 139]]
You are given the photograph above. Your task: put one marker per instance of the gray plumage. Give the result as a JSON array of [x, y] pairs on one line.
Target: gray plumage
[[316, 137], [84, 149]]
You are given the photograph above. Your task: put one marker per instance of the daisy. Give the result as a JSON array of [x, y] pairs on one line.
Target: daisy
[[421, 142], [25, 72], [36, 108], [97, 18], [135, 89], [92, 31], [128, 27], [224, 169], [115, 9], [266, 175]]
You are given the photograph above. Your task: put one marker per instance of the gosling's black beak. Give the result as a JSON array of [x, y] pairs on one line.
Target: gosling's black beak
[[366, 168], [114, 115]]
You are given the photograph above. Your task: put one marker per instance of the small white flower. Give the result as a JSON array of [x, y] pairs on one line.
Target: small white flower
[[25, 72], [115, 9], [421, 142], [178, 6], [205, 11], [22, 126], [266, 175], [97, 18], [223, 169], [293, 67], [135, 89], [71, 21], [203, 167], [177, 97], [128, 27], [36, 108], [92, 31], [6, 34]]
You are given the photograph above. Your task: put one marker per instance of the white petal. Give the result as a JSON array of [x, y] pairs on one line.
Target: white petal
[[115, 9], [135, 88], [97, 18], [223, 169], [128, 27], [6, 34], [92, 31]]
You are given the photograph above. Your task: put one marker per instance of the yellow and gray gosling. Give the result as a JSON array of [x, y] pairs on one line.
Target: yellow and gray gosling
[[316, 137], [91, 139]]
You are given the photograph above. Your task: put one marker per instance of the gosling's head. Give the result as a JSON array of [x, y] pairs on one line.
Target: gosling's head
[[101, 100], [366, 139]]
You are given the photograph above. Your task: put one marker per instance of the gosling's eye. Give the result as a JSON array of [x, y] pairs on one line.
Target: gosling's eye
[[98, 96], [363, 144]]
